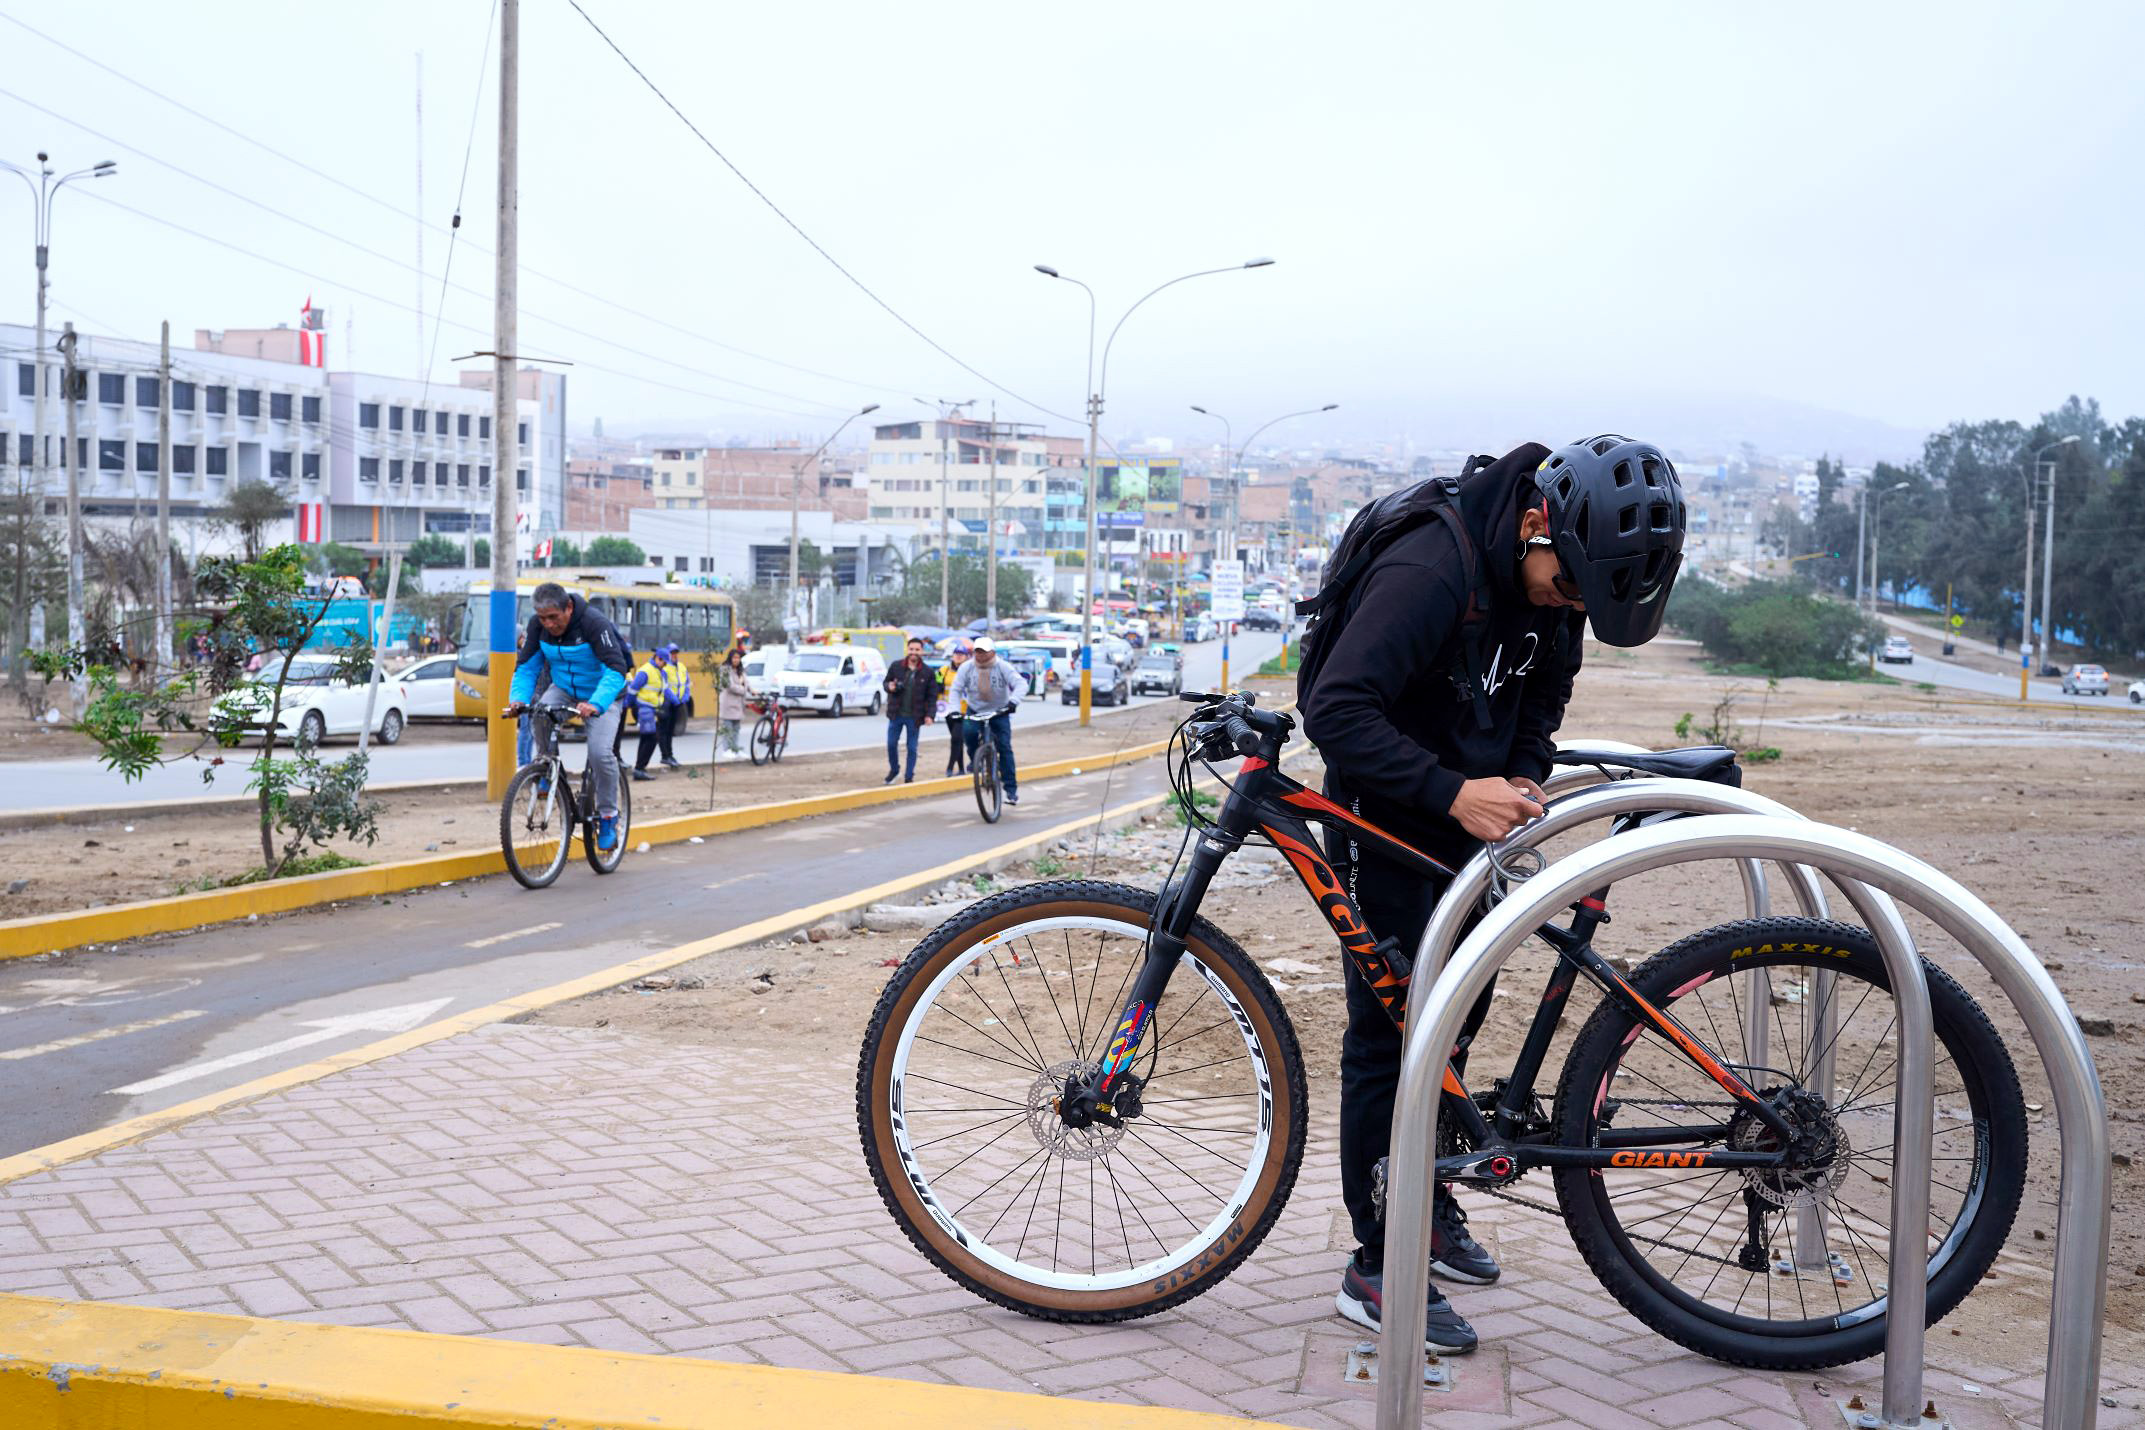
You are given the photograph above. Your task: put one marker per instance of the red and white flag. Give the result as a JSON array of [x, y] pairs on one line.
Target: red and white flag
[[312, 522], [543, 549], [312, 336]]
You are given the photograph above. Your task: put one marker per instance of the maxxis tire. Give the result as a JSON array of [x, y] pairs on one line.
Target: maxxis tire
[[1092, 898], [1962, 1029]]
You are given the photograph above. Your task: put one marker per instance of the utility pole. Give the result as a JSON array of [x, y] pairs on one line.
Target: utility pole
[[505, 449], [2048, 574], [163, 507], [1087, 597], [80, 683], [1862, 540], [990, 558], [39, 460], [2025, 602], [945, 528]]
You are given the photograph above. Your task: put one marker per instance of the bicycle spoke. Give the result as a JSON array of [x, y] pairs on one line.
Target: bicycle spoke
[[1042, 971]]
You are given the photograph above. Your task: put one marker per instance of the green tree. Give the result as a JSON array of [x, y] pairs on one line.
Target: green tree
[[332, 558], [965, 582], [432, 550], [566, 553], [250, 507], [615, 551], [248, 607], [483, 553]]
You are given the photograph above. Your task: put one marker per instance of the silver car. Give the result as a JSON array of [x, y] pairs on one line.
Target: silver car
[[2085, 680]]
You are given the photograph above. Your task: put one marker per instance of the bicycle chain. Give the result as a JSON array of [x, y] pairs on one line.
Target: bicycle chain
[[1558, 1212]]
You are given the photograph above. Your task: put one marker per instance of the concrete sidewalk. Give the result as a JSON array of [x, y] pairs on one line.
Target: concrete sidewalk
[[575, 1187]]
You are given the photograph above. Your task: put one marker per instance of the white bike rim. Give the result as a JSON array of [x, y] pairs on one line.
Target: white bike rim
[[1233, 1205]]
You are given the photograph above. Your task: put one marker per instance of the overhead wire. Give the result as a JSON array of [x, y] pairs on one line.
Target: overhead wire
[[797, 228], [391, 206]]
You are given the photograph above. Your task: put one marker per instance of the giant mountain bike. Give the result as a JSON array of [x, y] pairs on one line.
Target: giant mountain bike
[[1083, 1101]]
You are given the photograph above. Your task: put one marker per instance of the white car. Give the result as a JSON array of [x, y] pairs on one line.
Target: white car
[[2137, 692], [315, 704], [834, 679], [1896, 651], [1201, 628], [2085, 680], [429, 686], [763, 671]]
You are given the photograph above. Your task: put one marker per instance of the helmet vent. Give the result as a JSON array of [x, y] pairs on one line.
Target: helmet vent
[[1620, 585], [1660, 516], [1603, 445], [1627, 520], [1582, 524], [1652, 468], [1623, 474], [1564, 487]]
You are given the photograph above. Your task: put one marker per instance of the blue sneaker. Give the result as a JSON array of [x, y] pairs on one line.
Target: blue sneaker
[[606, 832]]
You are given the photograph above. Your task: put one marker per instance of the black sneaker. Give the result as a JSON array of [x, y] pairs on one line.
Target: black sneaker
[[1454, 1254], [1444, 1330], [890, 775]]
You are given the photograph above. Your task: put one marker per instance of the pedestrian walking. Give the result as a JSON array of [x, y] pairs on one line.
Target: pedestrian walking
[[911, 703], [649, 690], [730, 696], [957, 750]]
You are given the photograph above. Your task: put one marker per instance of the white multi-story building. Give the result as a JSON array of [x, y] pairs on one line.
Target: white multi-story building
[[363, 459], [919, 470]]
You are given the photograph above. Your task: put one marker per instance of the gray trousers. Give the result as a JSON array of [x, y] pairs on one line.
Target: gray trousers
[[602, 746]]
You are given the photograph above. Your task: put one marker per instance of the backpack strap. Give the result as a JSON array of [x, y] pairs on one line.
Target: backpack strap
[[1475, 619]]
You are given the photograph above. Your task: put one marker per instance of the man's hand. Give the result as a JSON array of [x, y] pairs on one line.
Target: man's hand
[[513, 710], [1490, 809], [1528, 788], [588, 711]]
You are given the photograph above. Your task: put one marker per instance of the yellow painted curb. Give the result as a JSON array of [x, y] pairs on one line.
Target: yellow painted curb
[[40, 1159], [70, 1365], [49, 933]]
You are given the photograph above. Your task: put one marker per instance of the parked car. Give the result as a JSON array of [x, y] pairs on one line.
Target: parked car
[[315, 704], [1201, 627], [1112, 687], [1117, 651], [1259, 618], [1158, 674], [834, 679], [1896, 651], [2085, 680], [2137, 692], [763, 671], [429, 684]]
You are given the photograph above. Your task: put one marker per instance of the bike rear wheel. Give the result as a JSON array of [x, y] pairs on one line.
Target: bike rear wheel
[[601, 862], [764, 748], [967, 1051], [990, 796], [536, 821], [1784, 1269]]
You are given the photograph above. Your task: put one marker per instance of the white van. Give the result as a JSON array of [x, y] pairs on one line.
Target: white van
[[763, 671], [833, 679]]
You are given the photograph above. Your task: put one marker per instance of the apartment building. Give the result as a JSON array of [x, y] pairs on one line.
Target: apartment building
[[603, 493], [940, 469], [756, 479]]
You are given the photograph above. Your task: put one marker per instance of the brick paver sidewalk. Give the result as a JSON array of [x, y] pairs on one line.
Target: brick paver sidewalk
[[580, 1188]]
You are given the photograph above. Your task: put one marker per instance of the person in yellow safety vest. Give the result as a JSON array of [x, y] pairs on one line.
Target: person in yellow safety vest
[[649, 690], [680, 689]]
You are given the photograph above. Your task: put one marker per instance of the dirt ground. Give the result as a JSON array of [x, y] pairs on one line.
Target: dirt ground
[[2042, 816], [149, 857]]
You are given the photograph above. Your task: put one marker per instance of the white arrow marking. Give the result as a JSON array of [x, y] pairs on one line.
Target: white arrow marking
[[61, 1044], [381, 1020]]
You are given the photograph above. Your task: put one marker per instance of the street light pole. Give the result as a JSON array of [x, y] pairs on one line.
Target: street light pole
[[2025, 595], [1094, 432], [1876, 528], [945, 409], [790, 624], [43, 190], [1236, 460]]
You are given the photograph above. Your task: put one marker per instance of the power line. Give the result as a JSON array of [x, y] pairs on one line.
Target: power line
[[401, 212], [465, 327], [798, 229], [403, 264]]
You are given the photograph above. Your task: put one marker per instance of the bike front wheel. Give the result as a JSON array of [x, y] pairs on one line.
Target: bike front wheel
[[536, 821], [1784, 1268], [957, 1094], [764, 748], [990, 795]]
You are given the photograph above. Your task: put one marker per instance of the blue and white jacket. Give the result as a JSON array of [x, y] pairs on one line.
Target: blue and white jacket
[[588, 660]]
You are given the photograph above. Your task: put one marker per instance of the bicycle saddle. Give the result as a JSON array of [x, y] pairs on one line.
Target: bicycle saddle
[[1715, 763]]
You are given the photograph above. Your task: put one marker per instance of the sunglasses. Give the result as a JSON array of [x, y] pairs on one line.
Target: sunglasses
[[1565, 585]]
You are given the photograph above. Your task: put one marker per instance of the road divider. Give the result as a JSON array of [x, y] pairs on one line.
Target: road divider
[[51, 933]]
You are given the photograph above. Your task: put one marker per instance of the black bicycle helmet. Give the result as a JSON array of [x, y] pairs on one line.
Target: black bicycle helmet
[[1616, 515]]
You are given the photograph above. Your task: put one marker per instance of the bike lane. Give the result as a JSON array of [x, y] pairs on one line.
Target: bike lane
[[88, 1039]]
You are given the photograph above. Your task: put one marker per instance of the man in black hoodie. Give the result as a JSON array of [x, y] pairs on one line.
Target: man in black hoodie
[[1408, 745]]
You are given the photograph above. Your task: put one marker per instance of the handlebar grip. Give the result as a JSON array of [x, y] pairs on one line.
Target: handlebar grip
[[1241, 734]]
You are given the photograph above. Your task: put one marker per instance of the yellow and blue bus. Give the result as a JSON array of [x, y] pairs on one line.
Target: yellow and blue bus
[[696, 619]]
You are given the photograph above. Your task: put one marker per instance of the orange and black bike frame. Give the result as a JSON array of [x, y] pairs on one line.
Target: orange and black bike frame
[[1265, 802]]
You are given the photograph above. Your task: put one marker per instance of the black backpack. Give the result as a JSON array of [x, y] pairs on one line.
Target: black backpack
[[1375, 528]]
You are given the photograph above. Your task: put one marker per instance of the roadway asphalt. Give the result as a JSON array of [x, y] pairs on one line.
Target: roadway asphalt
[[91, 1038], [1938, 671], [49, 784]]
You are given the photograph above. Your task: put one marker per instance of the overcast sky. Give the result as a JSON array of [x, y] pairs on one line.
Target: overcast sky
[[1490, 222]]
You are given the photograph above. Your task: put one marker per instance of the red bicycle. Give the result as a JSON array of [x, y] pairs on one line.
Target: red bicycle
[[770, 735]]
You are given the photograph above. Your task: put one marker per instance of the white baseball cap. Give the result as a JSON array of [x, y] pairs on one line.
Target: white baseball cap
[[984, 643]]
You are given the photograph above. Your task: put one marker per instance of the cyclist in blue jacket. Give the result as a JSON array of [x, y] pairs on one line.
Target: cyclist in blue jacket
[[587, 662]]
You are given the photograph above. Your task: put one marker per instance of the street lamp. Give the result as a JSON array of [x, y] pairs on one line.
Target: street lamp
[[43, 189], [2025, 595], [790, 623], [1094, 427], [1236, 460], [1876, 527], [945, 409]]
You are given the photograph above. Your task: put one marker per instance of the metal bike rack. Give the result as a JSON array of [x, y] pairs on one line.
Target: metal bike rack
[[1860, 865]]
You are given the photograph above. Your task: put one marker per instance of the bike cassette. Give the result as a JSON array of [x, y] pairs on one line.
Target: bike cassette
[[1819, 1155]]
